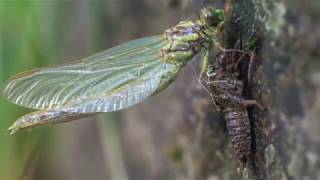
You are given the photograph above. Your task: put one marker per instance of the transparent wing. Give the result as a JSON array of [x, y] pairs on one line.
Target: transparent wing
[[108, 81]]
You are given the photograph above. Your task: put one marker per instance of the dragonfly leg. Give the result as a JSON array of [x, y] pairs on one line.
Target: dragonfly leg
[[252, 56], [241, 100], [205, 64], [208, 70]]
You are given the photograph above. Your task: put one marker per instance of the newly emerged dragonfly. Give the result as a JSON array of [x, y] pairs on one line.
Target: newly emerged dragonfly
[[114, 79]]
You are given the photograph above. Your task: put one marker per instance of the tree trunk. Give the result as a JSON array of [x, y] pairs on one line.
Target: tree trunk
[[285, 143]]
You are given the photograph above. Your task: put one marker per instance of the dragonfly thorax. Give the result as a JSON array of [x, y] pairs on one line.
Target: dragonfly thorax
[[183, 41], [187, 38]]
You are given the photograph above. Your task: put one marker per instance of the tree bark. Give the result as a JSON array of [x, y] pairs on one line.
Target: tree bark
[[282, 147]]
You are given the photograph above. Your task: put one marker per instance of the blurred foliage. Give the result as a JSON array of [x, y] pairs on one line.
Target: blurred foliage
[[32, 34], [24, 35]]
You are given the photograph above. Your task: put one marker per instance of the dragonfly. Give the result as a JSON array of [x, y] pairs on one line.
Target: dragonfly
[[116, 78]]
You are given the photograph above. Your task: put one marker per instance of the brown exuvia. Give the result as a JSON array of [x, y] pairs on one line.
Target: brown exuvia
[[227, 91]]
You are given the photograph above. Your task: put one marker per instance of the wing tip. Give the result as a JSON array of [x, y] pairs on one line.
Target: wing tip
[[6, 90], [7, 93], [10, 82]]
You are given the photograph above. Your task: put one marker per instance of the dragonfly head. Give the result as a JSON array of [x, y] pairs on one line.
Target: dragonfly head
[[212, 18]]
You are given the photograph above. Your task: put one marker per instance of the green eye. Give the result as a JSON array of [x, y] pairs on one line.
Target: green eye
[[219, 13], [212, 17]]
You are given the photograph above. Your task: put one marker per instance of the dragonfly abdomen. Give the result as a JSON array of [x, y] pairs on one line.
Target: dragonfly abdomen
[[238, 127], [42, 117]]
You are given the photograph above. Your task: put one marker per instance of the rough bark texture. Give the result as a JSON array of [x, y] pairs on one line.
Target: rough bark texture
[[283, 146]]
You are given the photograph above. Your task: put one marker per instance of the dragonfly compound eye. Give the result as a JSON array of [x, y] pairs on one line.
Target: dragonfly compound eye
[[212, 17]]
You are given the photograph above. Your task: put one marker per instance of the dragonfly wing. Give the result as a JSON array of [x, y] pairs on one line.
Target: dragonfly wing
[[108, 81], [127, 94]]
